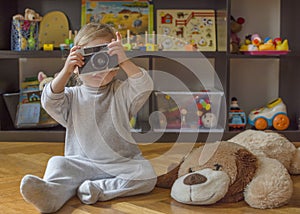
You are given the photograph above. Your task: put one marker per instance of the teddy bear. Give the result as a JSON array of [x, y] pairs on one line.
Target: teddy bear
[[272, 145], [30, 15], [233, 173], [236, 26], [43, 79]]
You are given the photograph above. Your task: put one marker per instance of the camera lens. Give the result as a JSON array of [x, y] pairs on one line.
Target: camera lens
[[100, 61]]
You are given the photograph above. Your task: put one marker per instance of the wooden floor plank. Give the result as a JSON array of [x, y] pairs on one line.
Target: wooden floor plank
[[20, 158]]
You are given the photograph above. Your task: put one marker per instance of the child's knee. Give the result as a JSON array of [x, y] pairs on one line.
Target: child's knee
[[57, 162]]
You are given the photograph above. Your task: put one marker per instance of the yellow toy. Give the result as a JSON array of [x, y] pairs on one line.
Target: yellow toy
[[48, 47], [267, 46], [253, 44], [282, 46]]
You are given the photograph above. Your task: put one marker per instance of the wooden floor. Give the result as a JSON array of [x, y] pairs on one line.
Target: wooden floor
[[18, 159]]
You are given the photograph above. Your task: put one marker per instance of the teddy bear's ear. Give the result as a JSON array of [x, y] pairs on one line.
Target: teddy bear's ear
[[246, 164], [41, 76], [167, 180]]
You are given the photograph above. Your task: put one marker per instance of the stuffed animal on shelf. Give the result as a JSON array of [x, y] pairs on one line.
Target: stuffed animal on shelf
[[236, 26], [29, 15], [43, 79], [234, 173]]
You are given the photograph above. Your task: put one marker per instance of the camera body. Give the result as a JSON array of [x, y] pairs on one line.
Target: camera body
[[97, 59]]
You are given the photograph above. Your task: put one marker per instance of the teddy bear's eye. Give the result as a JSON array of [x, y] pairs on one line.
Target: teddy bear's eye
[[217, 166], [190, 170]]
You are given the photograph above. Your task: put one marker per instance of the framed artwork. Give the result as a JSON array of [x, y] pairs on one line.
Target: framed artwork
[[135, 15], [178, 28]]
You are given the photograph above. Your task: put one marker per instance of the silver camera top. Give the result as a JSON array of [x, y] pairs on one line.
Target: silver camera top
[[92, 49]]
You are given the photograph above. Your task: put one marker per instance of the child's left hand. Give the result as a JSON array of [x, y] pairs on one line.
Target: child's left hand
[[116, 47]]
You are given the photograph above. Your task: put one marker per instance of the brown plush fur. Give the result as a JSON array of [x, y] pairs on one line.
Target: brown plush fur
[[235, 160], [246, 165], [168, 179]]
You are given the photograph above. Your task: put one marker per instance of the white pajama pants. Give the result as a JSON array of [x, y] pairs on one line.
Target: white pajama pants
[[65, 176]]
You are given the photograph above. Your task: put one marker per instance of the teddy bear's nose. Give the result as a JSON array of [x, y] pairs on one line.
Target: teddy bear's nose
[[194, 179]]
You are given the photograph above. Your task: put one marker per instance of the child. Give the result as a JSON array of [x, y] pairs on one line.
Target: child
[[102, 160]]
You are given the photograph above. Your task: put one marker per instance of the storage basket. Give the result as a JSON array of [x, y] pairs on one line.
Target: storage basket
[[29, 114], [24, 35]]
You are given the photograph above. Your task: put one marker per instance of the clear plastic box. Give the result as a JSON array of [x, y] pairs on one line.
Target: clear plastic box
[[188, 111], [29, 114]]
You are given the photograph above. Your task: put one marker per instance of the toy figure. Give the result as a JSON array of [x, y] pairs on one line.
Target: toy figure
[[256, 40], [237, 118], [235, 27], [234, 104], [267, 45]]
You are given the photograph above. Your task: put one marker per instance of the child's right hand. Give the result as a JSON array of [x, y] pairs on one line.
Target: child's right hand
[[73, 61]]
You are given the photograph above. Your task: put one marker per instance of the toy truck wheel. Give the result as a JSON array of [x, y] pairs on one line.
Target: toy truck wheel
[[261, 124], [281, 122]]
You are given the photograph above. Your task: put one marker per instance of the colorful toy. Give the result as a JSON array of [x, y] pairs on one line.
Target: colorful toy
[[31, 43], [256, 40], [48, 47], [151, 42], [282, 46], [191, 113], [237, 118], [122, 15], [273, 115], [209, 120], [178, 28], [127, 45], [234, 104], [268, 45], [253, 166], [254, 45], [69, 41], [235, 27], [25, 29]]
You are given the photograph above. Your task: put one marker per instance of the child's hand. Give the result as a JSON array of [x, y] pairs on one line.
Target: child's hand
[[116, 47], [74, 59]]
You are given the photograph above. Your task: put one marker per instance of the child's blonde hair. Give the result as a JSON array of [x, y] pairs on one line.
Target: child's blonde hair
[[92, 31]]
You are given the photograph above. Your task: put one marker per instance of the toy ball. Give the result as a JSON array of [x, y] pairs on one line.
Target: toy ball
[[209, 120]]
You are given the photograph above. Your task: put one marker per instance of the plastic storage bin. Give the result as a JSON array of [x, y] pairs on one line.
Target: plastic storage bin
[[29, 114], [188, 111]]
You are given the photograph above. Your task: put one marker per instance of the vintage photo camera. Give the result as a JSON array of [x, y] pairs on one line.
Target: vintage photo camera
[[97, 59]]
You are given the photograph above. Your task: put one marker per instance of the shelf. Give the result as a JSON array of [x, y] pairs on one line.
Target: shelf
[[7, 54], [175, 54], [256, 56], [151, 136], [189, 130]]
